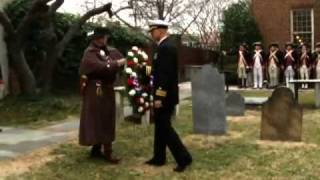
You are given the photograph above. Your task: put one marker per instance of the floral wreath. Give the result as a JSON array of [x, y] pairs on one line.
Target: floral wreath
[[139, 80]]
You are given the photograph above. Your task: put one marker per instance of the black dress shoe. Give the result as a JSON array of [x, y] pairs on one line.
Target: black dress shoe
[[96, 152], [154, 162], [183, 167], [96, 155]]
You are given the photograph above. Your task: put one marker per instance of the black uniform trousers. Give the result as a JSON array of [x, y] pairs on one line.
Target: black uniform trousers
[[165, 135]]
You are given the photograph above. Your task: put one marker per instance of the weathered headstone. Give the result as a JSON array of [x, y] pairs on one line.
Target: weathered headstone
[[281, 117], [235, 104], [208, 102]]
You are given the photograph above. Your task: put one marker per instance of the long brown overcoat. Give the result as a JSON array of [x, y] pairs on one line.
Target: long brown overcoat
[[97, 122]]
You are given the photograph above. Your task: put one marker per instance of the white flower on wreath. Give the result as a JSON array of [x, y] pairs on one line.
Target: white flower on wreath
[[147, 104], [141, 100], [145, 56], [135, 48], [134, 74], [145, 95], [130, 54], [132, 92], [140, 52], [135, 60], [129, 71], [102, 53], [140, 109]]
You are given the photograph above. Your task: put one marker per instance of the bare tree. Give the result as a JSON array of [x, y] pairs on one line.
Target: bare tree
[[175, 11], [208, 22], [42, 11]]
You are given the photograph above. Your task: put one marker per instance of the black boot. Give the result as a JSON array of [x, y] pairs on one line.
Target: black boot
[[239, 83], [108, 154], [96, 151]]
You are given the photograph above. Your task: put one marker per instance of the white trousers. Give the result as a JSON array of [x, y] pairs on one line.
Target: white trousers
[[273, 75], [289, 74], [257, 77], [304, 75]]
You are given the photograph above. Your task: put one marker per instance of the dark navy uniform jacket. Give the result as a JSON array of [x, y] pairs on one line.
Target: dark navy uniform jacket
[[165, 73]]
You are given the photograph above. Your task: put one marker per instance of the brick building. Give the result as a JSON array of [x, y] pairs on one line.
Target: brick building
[[288, 20]]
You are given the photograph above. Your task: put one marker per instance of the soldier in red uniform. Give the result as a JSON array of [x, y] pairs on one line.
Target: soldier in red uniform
[[275, 57], [304, 64], [316, 61], [243, 64], [290, 62]]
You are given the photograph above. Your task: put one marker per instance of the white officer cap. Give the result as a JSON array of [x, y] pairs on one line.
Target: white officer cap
[[154, 24]]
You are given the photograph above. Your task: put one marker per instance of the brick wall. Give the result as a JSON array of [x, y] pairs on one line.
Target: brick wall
[[273, 18]]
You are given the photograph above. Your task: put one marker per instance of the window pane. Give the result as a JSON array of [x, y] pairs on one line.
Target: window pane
[[300, 38], [302, 20]]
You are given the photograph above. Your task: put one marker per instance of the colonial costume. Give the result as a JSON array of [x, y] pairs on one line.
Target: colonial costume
[[243, 65], [275, 57], [166, 91], [304, 64], [290, 61], [316, 61], [257, 63], [98, 71]]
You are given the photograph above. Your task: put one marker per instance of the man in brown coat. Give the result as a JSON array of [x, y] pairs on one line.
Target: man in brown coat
[[98, 70]]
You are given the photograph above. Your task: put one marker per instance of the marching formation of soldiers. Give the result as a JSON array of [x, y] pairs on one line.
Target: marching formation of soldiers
[[277, 67]]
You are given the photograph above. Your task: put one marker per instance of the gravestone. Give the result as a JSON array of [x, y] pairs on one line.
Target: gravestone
[[208, 102], [281, 117], [235, 104]]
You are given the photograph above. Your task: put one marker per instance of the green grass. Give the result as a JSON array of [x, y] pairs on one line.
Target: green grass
[[15, 111], [306, 98], [235, 158]]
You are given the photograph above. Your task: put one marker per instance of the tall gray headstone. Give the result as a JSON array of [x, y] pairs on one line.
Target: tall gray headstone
[[208, 102], [235, 104]]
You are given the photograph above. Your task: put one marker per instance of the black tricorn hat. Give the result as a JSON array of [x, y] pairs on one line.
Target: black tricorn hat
[[305, 44], [257, 44], [274, 44], [98, 33], [245, 45], [289, 44]]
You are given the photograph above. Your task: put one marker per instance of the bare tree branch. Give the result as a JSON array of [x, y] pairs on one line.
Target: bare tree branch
[[121, 9], [6, 23], [132, 27], [55, 6], [38, 7], [195, 17], [75, 27]]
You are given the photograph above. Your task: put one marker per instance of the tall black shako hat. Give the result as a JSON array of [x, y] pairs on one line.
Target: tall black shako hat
[[98, 33]]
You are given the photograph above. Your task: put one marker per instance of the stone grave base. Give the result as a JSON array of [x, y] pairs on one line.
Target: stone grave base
[[209, 141], [286, 145], [251, 116]]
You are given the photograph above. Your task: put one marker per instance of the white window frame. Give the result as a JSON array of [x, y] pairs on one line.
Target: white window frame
[[312, 26]]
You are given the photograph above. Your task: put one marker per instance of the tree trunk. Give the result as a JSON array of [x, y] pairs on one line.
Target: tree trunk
[[47, 74], [26, 78]]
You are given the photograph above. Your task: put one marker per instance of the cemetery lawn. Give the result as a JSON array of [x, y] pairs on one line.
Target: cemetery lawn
[[239, 155], [38, 112], [306, 98]]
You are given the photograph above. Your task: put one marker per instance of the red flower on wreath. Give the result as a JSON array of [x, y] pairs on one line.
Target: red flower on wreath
[[139, 80]]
